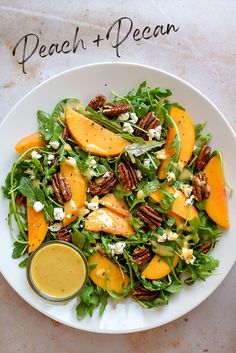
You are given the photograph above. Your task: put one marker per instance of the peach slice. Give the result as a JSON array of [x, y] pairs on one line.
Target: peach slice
[[158, 268], [117, 205], [216, 204], [37, 227], [78, 187], [107, 274], [92, 137], [33, 140], [108, 221], [187, 137], [179, 207]]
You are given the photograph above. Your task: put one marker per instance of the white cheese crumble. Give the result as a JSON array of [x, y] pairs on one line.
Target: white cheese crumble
[[123, 117], [171, 236], [106, 175], [154, 134], [133, 118], [187, 255], [187, 189], [58, 213], [51, 157], [161, 154], [71, 161], [117, 249], [128, 128], [93, 164], [93, 205], [161, 238], [170, 176], [146, 163], [190, 200], [55, 227], [38, 206], [36, 155], [139, 174], [54, 144]]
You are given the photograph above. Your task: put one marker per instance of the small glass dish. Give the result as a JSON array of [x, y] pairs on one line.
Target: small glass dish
[[57, 271]]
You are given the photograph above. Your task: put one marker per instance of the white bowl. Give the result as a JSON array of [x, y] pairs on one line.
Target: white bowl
[[85, 82]]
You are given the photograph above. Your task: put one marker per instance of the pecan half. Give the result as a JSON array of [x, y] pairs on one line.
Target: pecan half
[[149, 216], [127, 175], [141, 255], [203, 158], [201, 190], [115, 109], [20, 200], [64, 234], [65, 134], [104, 184], [149, 121], [61, 188], [142, 293], [98, 102], [205, 248]]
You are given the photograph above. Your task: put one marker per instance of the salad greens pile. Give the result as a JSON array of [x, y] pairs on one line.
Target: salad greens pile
[[32, 174]]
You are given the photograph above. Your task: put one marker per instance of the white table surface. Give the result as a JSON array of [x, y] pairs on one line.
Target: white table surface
[[203, 52]]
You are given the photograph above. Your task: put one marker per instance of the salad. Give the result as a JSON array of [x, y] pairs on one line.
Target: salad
[[132, 183]]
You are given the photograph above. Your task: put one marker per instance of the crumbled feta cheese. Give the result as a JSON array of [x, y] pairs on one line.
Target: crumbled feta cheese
[[71, 161], [123, 117], [187, 255], [139, 174], [88, 190], [54, 144], [38, 206], [190, 200], [36, 155], [55, 227], [46, 130], [58, 213], [170, 176], [117, 249], [93, 204], [146, 163], [161, 154], [187, 189], [106, 175], [154, 134], [161, 238], [133, 118], [171, 236], [51, 157], [128, 128], [93, 163]]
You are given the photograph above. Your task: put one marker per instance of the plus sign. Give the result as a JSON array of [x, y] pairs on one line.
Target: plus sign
[[98, 40]]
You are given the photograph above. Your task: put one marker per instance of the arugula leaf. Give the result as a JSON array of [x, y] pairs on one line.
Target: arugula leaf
[[198, 129], [137, 149], [46, 126], [167, 200], [19, 249], [27, 189]]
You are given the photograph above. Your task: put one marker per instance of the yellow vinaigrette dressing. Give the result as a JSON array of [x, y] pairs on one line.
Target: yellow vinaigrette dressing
[[58, 270]]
